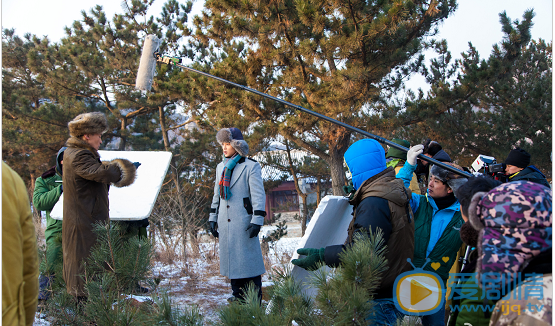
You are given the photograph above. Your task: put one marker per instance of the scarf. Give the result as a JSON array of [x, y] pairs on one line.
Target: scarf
[[445, 202], [230, 163]]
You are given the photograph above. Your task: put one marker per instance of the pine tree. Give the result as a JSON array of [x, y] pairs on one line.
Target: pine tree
[[334, 57], [34, 119], [344, 294], [488, 106], [113, 270]]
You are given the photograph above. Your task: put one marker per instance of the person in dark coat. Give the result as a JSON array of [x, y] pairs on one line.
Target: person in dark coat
[[473, 312], [380, 202], [86, 181], [48, 189], [518, 168], [237, 212]]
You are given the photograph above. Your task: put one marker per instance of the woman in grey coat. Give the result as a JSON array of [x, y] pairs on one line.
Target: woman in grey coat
[[237, 213]]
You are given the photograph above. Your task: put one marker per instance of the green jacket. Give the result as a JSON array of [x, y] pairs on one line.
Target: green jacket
[[447, 246], [45, 196]]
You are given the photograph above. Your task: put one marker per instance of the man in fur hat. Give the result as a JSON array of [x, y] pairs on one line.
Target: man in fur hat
[[437, 220], [237, 212], [86, 181]]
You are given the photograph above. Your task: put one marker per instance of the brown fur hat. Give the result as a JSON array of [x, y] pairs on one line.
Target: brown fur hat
[[87, 124]]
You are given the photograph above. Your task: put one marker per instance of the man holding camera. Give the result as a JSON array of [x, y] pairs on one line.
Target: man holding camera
[[517, 168]]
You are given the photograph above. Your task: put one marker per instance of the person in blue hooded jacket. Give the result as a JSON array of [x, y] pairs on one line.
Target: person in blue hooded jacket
[[380, 202], [437, 221]]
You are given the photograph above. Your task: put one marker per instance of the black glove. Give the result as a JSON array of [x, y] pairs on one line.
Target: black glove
[[213, 229], [253, 230], [136, 164]]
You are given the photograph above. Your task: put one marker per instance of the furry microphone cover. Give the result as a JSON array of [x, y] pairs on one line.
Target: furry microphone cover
[[147, 65]]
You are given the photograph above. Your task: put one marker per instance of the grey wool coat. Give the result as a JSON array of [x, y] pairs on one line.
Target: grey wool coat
[[240, 256]]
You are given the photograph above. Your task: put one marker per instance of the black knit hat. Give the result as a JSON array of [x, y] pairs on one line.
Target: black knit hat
[[518, 157], [433, 148]]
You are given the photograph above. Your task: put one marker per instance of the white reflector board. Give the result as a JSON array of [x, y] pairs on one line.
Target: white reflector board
[[136, 201], [328, 226]]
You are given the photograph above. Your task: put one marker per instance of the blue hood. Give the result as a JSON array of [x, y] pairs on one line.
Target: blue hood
[[365, 159]]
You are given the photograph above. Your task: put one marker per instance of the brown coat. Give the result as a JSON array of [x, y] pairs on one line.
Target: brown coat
[[400, 245], [86, 183]]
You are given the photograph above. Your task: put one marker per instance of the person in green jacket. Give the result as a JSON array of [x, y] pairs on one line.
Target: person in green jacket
[[48, 189], [437, 221]]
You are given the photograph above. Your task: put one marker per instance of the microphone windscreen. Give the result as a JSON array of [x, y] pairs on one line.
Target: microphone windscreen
[[147, 65]]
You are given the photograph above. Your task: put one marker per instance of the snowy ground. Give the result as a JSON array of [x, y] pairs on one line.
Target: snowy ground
[[197, 281]]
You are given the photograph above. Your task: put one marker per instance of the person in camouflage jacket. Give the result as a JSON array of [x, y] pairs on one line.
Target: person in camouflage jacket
[[48, 189], [514, 223]]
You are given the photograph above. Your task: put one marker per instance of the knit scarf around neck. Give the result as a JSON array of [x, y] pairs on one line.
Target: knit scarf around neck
[[230, 163], [446, 201]]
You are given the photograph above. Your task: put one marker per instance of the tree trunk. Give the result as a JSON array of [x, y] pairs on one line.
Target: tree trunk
[[123, 138], [337, 173], [304, 213], [318, 191], [336, 152], [184, 239], [152, 234], [36, 213]]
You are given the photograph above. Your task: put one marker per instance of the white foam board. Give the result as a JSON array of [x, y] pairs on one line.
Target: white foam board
[[136, 201], [328, 226]]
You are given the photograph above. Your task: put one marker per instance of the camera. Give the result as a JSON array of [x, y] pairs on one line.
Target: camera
[[490, 167], [495, 168]]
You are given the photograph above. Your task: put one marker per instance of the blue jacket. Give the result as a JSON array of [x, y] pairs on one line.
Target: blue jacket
[[440, 218]]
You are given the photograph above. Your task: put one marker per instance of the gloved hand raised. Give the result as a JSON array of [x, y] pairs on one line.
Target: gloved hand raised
[[413, 152], [253, 230], [136, 164], [213, 229], [312, 260]]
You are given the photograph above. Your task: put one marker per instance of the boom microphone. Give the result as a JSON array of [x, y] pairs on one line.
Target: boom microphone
[[147, 65], [145, 77]]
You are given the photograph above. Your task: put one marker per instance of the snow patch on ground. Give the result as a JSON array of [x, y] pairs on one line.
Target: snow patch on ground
[[198, 281]]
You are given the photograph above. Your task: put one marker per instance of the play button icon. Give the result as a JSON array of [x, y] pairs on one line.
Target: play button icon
[[418, 292]]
